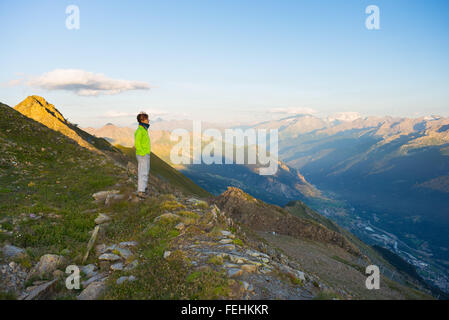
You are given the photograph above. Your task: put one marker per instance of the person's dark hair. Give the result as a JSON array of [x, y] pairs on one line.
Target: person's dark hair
[[142, 116]]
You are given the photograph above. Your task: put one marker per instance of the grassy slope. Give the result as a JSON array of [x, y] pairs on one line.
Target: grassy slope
[[47, 175]]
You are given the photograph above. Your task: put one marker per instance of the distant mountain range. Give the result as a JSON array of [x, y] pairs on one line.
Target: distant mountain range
[[398, 163], [286, 185], [391, 172]]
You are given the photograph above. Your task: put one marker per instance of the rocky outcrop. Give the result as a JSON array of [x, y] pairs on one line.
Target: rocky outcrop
[[93, 291], [12, 252], [264, 217], [39, 109], [47, 264]]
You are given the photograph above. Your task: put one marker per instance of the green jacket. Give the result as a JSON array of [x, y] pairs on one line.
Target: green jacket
[[142, 141]]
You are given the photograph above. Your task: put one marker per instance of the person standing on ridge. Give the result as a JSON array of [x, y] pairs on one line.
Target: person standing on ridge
[[143, 150]]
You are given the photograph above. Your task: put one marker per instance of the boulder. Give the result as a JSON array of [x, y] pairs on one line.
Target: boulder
[[13, 252], [132, 265], [249, 268], [124, 253], [102, 195], [12, 277], [89, 270], [113, 197], [117, 266], [234, 272], [93, 291], [41, 291], [47, 264], [126, 244], [109, 257], [125, 278], [96, 278], [102, 218]]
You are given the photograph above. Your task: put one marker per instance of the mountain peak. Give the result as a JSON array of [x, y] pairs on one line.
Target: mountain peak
[[37, 107]]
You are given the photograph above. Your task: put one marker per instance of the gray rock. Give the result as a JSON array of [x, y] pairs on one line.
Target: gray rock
[[41, 291], [230, 247], [12, 252], [125, 278], [89, 270], [102, 195], [236, 259], [121, 280], [113, 197], [102, 218], [127, 244], [300, 275], [101, 248], [252, 253], [124, 253], [12, 277], [225, 241], [180, 226], [110, 248], [132, 265], [265, 270], [230, 265], [117, 266], [109, 257], [93, 291], [95, 278], [47, 264], [234, 272]]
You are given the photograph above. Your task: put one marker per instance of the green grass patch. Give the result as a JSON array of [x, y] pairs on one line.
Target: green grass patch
[[216, 260]]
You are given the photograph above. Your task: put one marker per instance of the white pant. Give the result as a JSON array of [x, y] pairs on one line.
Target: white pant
[[143, 167]]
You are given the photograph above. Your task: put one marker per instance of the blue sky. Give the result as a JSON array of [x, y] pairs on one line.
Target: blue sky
[[231, 60]]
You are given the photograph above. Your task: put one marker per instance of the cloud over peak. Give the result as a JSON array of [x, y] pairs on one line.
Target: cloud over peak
[[84, 83], [294, 110]]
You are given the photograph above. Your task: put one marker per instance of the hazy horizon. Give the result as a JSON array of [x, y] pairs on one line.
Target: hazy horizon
[[231, 61]]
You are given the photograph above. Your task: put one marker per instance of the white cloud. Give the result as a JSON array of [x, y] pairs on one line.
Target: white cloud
[[297, 110], [84, 83], [345, 116]]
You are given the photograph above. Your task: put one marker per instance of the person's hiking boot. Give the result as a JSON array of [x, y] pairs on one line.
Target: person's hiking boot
[[142, 195]]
